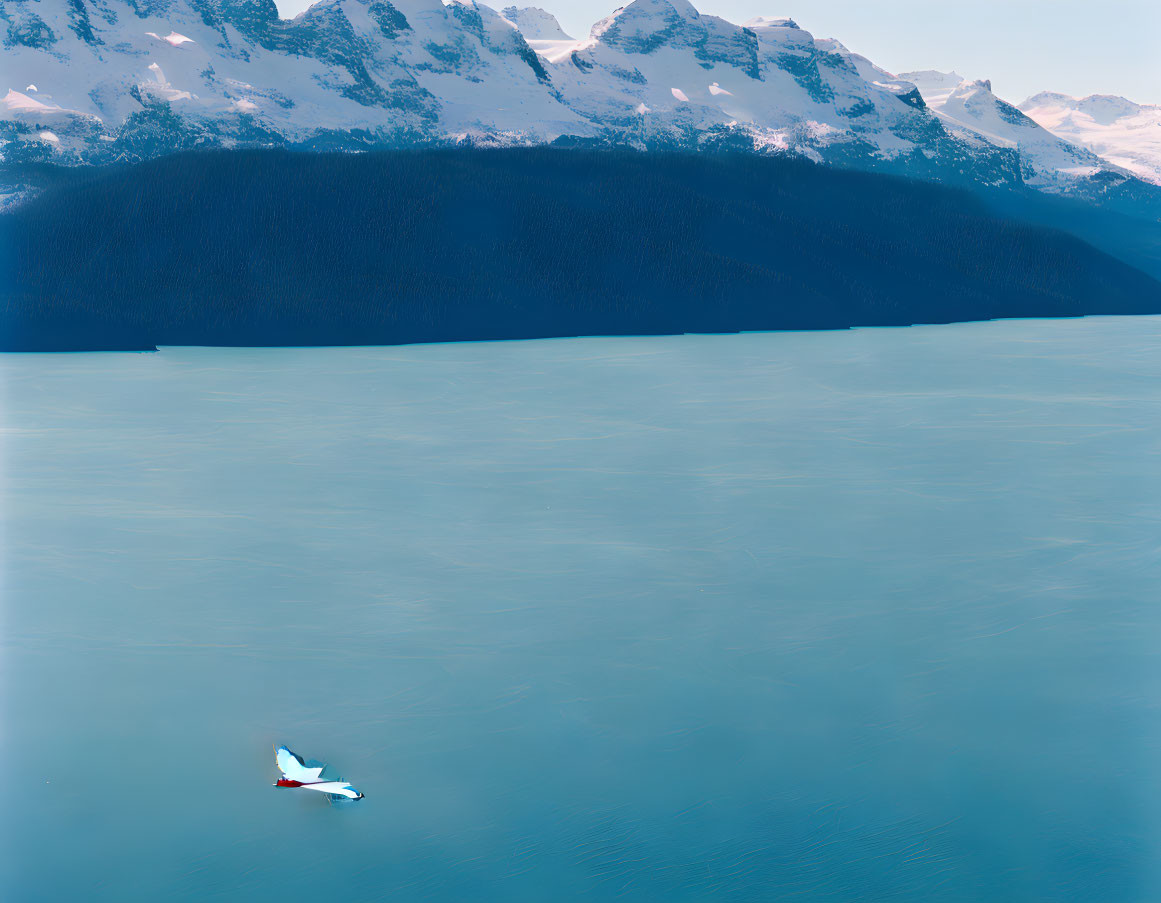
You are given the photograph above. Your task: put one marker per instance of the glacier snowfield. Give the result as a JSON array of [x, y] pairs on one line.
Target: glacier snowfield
[[110, 81], [859, 615]]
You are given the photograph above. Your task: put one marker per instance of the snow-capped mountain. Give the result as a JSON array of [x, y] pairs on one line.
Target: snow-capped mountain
[[1122, 132], [144, 75], [88, 81], [657, 71], [535, 24], [970, 108]]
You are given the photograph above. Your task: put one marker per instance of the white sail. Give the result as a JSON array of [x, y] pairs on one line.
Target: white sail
[[294, 768], [339, 788]]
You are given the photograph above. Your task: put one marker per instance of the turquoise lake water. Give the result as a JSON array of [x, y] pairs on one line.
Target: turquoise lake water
[[866, 615]]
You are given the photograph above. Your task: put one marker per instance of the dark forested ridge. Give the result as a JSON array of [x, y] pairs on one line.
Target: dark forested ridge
[[276, 248]]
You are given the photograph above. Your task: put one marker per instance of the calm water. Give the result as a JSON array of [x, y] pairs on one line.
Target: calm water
[[867, 615]]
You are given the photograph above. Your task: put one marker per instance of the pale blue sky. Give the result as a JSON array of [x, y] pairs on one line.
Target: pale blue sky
[[1023, 46]]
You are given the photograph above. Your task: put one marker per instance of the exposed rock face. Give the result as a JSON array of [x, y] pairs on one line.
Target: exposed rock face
[[131, 79], [969, 108], [24, 27]]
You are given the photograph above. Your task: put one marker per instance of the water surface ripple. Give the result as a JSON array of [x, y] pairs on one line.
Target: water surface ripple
[[866, 615]]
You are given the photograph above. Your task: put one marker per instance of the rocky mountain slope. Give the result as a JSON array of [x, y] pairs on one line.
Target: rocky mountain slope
[[970, 108], [96, 81]]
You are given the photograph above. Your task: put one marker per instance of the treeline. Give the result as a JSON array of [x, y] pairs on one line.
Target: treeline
[[279, 248]]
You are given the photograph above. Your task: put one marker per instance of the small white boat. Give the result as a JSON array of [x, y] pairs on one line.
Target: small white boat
[[295, 773]]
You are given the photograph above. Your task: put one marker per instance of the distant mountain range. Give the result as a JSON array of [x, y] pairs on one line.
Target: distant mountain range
[[99, 81], [1126, 134]]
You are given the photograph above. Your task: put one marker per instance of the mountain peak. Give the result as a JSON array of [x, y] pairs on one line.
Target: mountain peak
[[644, 23], [147, 77], [932, 83], [970, 107], [770, 22], [535, 23], [1103, 108], [1046, 98], [1125, 133]]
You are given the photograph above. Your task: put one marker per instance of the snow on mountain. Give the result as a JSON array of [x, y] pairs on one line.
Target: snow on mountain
[[1122, 132], [535, 24], [970, 107], [131, 79], [660, 72], [224, 72]]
